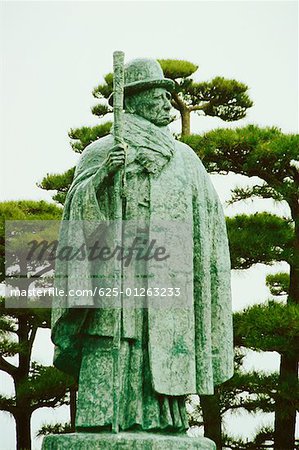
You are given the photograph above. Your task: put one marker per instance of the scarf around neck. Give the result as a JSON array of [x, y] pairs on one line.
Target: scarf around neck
[[149, 145]]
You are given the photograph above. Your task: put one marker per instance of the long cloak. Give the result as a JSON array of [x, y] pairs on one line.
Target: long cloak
[[190, 349]]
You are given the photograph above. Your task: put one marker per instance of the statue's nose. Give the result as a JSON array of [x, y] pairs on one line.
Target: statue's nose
[[167, 105]]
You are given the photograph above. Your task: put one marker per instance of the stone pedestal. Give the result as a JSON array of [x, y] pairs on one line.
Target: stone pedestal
[[125, 441]]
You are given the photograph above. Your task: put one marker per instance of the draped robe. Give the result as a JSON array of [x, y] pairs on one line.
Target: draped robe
[[188, 349]]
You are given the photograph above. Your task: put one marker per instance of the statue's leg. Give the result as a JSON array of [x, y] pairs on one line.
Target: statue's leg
[[140, 406], [94, 404], [172, 414]]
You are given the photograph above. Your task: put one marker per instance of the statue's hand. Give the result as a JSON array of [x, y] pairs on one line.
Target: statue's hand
[[116, 158]]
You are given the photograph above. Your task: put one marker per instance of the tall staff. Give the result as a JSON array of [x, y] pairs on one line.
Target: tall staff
[[118, 98]]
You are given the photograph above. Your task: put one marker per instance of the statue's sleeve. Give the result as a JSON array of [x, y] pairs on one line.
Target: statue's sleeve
[[90, 179], [81, 209]]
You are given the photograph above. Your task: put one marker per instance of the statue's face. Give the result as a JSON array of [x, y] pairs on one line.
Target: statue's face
[[153, 104]]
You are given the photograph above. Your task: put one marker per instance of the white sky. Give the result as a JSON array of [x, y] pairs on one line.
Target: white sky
[[54, 53]]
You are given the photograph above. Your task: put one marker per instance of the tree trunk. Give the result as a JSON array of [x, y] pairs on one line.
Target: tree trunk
[[23, 413], [73, 407], [185, 119], [23, 418], [294, 269], [212, 418], [285, 410]]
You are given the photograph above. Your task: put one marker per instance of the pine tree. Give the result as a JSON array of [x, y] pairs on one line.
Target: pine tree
[[35, 386], [265, 238]]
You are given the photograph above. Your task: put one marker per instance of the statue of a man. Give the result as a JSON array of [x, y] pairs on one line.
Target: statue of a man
[[165, 353]]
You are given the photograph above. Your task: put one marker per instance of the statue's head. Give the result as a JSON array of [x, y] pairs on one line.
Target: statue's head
[[147, 92], [152, 104]]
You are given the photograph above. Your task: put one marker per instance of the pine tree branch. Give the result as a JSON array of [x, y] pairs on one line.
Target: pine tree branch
[[57, 401], [7, 367], [248, 192], [179, 102], [57, 428], [196, 108], [42, 271], [7, 404], [32, 337], [9, 347]]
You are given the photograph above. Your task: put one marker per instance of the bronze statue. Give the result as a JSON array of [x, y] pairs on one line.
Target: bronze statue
[[164, 352]]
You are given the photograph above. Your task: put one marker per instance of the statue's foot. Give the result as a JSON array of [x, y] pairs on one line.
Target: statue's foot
[[134, 429]]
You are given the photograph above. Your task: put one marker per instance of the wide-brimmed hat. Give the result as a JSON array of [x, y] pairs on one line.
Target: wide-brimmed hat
[[143, 74]]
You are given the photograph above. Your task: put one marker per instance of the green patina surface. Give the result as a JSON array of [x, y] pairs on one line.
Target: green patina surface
[[167, 350]]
